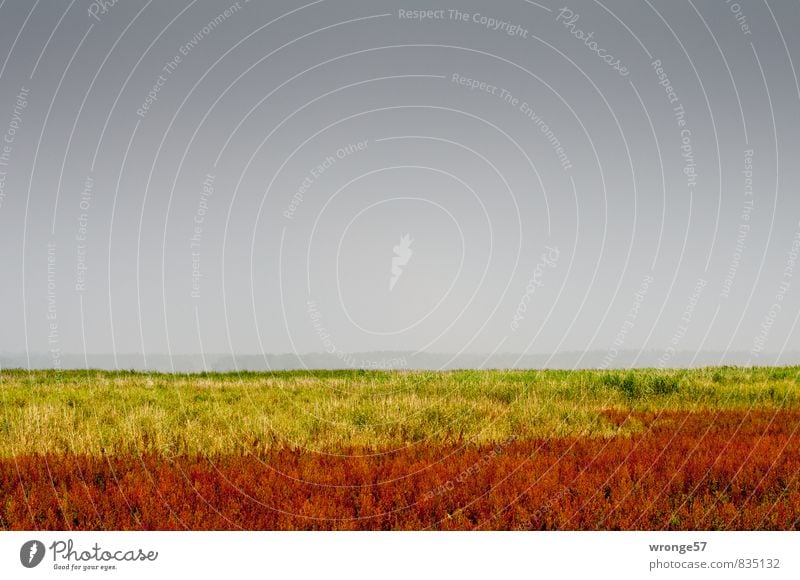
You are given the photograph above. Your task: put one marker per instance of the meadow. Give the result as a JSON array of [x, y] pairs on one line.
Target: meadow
[[715, 448]]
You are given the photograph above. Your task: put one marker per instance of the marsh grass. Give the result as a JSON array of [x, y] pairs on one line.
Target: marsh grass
[[97, 412]]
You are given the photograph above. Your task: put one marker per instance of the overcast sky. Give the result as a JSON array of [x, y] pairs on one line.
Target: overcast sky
[[187, 177]]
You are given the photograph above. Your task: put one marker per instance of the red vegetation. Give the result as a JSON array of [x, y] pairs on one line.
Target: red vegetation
[[727, 470]]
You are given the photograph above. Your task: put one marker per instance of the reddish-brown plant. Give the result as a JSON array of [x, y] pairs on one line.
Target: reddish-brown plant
[[705, 470]]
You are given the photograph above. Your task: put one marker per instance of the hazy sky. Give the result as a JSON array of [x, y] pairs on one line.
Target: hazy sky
[[186, 177]]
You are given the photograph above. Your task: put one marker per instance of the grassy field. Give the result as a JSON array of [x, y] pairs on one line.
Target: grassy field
[[714, 448], [119, 412]]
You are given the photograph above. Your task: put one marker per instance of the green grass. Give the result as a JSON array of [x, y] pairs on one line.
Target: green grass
[[124, 412]]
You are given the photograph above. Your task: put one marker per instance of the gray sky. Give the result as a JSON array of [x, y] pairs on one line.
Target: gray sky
[[187, 177]]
